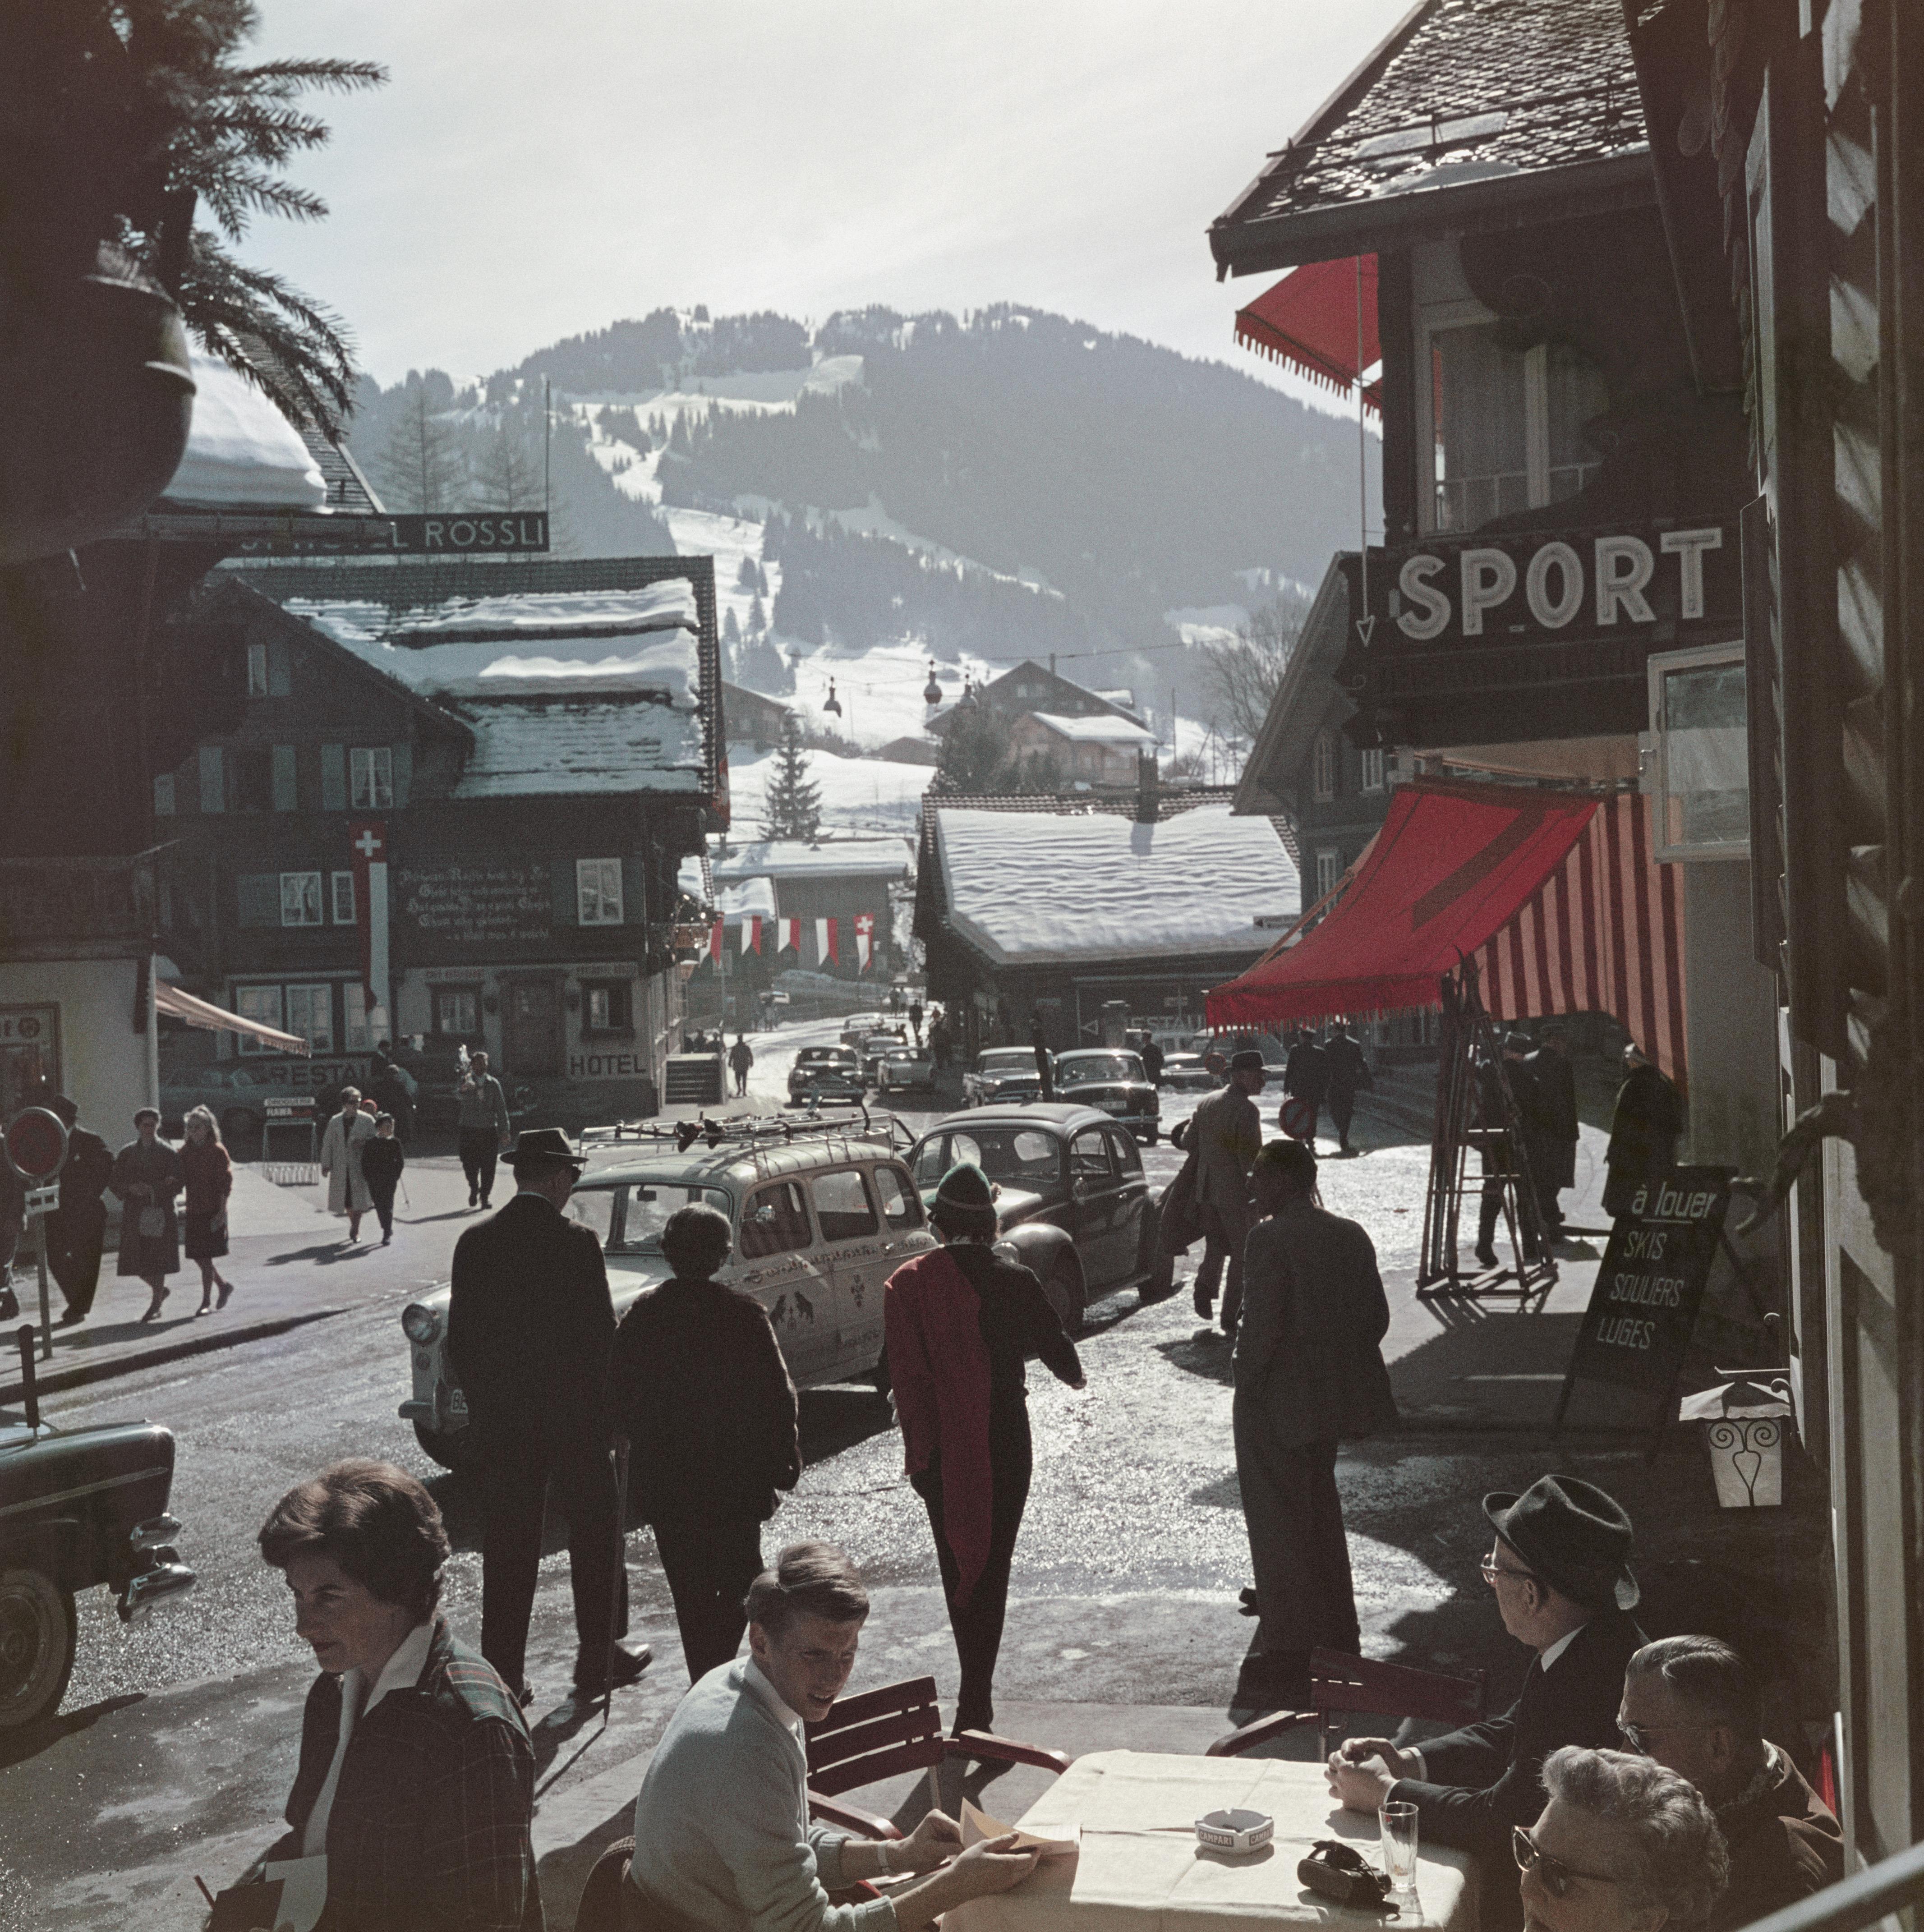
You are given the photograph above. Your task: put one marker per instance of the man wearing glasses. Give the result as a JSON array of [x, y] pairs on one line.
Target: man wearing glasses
[[1692, 1705], [1560, 1568]]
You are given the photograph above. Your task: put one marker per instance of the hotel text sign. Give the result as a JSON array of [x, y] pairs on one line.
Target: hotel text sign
[[1540, 586], [457, 532]]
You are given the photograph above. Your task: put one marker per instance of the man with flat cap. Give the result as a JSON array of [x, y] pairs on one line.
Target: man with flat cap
[[530, 1327], [1226, 1134], [1560, 1567]]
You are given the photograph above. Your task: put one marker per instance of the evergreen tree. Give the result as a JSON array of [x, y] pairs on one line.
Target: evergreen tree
[[746, 577], [509, 471], [794, 801], [760, 579], [732, 632], [758, 618], [975, 754]]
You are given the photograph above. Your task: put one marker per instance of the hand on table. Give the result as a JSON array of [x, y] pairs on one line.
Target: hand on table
[[933, 1842], [992, 1865], [1362, 1770]]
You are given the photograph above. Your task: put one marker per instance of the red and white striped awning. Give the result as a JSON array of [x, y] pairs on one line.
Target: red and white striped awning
[[180, 1005]]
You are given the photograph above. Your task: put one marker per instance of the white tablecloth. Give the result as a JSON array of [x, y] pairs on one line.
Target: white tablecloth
[[1141, 1869]]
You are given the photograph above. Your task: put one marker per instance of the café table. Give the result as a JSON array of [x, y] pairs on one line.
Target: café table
[[1140, 1869]]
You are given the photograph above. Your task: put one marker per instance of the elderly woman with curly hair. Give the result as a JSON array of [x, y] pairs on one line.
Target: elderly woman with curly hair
[[416, 1776], [1623, 1845]]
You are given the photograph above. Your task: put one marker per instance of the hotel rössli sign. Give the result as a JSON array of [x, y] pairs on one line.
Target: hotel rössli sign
[[1540, 586]]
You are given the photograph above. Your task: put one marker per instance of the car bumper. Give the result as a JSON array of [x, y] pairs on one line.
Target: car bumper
[[160, 1574]]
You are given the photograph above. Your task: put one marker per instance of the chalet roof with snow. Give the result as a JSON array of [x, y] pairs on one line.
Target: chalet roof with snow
[[1060, 884], [1467, 106], [1097, 730], [1030, 686], [242, 452]]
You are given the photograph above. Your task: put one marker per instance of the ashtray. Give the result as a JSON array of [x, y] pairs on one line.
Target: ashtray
[[1235, 1831]]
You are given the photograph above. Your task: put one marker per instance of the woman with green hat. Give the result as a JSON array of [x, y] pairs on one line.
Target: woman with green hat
[[961, 1322]]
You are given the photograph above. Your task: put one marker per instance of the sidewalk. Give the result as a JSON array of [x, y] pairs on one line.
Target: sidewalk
[[289, 1263]]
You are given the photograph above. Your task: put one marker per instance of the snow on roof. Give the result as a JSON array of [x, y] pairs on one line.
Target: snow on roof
[[746, 895], [660, 606], [1041, 886], [830, 858], [1101, 731], [240, 449], [527, 749]]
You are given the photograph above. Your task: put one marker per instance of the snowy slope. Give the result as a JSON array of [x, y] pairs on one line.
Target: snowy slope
[[857, 794]]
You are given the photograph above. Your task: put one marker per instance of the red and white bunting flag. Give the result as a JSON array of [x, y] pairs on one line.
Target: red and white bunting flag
[[788, 935], [715, 942], [865, 937], [751, 932], [825, 945]]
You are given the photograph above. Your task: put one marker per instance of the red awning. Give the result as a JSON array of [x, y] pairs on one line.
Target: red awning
[[1308, 320], [198, 1012], [1554, 894]]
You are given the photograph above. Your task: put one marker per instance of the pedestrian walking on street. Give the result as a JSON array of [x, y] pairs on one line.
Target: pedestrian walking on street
[[1552, 1124], [938, 1042], [382, 1159], [210, 1180], [76, 1230], [741, 1057], [699, 1388], [1494, 1150], [481, 1129], [147, 1176], [1152, 1059], [915, 1020], [393, 1089], [530, 1330], [1348, 1075], [1644, 1127], [959, 1323], [1306, 1077], [1309, 1375], [1225, 1132], [347, 1133], [1045, 1065], [415, 1795]]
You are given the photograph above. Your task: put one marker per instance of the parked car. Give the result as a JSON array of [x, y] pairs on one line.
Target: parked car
[[78, 1508], [1114, 1082], [820, 1221], [906, 1067], [1072, 1199], [860, 1025], [876, 1047], [826, 1073], [236, 1094], [1006, 1075], [1185, 1073]]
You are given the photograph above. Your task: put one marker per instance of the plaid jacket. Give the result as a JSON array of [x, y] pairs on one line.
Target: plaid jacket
[[429, 1832]]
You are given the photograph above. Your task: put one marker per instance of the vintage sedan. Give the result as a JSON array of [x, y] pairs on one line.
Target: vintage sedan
[[1072, 1198], [906, 1069], [1185, 1073], [1006, 1075], [78, 1508], [1114, 1081], [235, 1095], [826, 1073]]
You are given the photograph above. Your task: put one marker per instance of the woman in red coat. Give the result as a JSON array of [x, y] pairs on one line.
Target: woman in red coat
[[960, 1323]]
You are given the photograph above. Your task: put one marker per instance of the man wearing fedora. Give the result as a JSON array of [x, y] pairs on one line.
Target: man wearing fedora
[[530, 1327], [1560, 1567], [1226, 1134]]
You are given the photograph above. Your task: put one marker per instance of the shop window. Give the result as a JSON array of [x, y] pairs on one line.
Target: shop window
[[343, 884], [1507, 424], [164, 795], [262, 1003], [300, 899], [1329, 870], [1701, 778], [775, 1221], [1373, 771], [598, 892], [606, 1006], [843, 1210], [1322, 773], [310, 1014], [457, 1010], [373, 770], [256, 670]]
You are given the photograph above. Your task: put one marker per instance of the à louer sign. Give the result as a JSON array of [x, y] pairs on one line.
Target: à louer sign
[[1538, 586]]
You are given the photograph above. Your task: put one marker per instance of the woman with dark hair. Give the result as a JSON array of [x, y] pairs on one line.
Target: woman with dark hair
[[416, 1777], [960, 1323], [147, 1175]]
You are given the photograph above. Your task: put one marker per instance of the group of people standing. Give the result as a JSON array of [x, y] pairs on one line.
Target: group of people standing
[[361, 1158]]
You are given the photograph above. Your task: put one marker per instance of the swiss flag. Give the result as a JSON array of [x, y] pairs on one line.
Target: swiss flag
[[865, 937], [788, 935], [825, 945], [367, 841]]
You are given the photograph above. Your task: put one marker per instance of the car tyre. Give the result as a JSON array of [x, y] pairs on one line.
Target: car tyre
[[1067, 1294], [1154, 1135], [39, 1633], [452, 1452]]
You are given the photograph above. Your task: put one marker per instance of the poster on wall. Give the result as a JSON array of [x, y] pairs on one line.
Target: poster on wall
[[480, 902], [29, 1056]]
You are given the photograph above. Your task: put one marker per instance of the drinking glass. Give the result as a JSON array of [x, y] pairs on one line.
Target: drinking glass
[[1399, 1829]]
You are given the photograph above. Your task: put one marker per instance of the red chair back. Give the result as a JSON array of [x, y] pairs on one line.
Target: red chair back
[[876, 1735]]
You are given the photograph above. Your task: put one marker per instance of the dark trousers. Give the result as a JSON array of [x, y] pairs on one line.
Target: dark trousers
[[1342, 1111], [1223, 1236], [977, 1623], [75, 1237], [383, 1199], [1296, 1540], [514, 1485], [710, 1565], [479, 1147]]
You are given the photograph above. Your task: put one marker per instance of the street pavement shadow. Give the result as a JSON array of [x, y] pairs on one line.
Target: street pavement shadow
[[1205, 1353], [326, 1253], [16, 1747], [423, 1220], [835, 1419]]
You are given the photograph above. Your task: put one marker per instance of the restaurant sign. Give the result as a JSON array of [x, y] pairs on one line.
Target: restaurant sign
[[1540, 587]]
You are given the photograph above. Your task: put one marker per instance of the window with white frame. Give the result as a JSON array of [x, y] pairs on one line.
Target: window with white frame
[[1372, 770], [263, 1004], [300, 899], [1323, 768], [310, 1014], [1329, 869], [1699, 724], [605, 1006], [342, 884], [373, 772], [256, 670], [598, 892], [457, 1010]]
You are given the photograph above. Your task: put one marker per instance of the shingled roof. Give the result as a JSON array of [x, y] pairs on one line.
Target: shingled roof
[[1468, 107]]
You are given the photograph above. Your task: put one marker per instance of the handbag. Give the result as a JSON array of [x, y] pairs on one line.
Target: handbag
[[153, 1222], [1337, 1871], [1179, 1222]]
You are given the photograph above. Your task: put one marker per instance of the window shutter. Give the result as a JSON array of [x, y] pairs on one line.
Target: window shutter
[[567, 904], [334, 778], [404, 773], [280, 670], [164, 794], [213, 779], [634, 903], [287, 794], [259, 896]]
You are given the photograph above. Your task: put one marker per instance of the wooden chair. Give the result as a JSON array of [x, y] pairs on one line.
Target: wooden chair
[[1339, 1684], [882, 1733]]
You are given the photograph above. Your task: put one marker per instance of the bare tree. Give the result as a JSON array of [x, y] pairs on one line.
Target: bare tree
[[1243, 674], [419, 466]]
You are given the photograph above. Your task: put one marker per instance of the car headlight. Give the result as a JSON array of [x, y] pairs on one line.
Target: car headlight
[[420, 1324]]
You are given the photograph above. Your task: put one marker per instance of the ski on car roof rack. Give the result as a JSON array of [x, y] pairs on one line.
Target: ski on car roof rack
[[759, 1133]]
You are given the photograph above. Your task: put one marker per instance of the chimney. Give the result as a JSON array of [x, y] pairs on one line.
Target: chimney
[[1148, 802]]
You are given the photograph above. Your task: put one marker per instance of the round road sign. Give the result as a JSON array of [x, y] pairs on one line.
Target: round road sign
[[36, 1145], [1299, 1118]]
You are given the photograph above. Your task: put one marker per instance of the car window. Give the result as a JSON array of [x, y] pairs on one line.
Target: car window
[[1025, 1156], [901, 1206], [1002, 1057], [646, 1209], [1091, 1066], [1124, 1151], [1088, 1155], [932, 1162], [843, 1210], [775, 1221], [594, 1208]]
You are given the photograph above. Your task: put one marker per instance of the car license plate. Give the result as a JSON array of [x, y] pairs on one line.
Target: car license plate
[[457, 1404], [1115, 1106]]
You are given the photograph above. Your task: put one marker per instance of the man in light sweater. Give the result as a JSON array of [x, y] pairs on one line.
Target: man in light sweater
[[722, 1841]]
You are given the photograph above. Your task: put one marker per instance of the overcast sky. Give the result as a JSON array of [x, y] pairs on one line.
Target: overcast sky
[[537, 168]]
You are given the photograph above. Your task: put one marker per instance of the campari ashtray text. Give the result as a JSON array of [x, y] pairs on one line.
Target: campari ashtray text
[[1234, 1831]]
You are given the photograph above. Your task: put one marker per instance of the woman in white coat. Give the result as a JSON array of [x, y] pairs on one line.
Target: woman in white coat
[[347, 1133]]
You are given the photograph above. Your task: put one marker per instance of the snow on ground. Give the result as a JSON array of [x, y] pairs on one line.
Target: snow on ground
[[857, 793], [1207, 623]]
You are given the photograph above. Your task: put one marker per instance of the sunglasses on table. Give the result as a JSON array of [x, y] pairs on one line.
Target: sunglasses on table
[[1557, 1877]]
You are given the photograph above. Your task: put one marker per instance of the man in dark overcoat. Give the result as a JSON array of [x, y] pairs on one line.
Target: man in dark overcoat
[[530, 1325], [1644, 1127], [1494, 1146], [1309, 1375], [1559, 1565], [76, 1229], [1348, 1075], [1551, 1124], [1225, 1133], [1306, 1076]]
